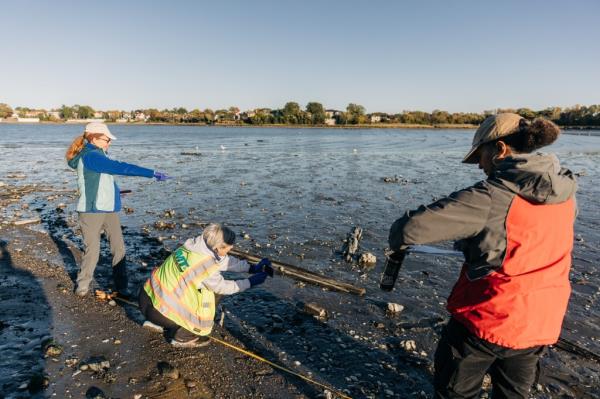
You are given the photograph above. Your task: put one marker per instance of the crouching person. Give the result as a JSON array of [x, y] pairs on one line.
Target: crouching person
[[179, 296]]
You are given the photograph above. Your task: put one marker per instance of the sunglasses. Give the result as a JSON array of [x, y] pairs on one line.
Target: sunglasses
[[108, 140]]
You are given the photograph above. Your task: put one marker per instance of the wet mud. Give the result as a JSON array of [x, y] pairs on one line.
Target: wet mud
[[295, 198]]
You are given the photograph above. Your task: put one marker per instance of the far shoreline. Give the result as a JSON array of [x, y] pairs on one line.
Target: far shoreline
[[270, 126], [287, 126]]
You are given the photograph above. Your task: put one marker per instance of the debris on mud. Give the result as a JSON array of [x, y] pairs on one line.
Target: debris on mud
[[395, 179], [167, 370], [367, 259], [315, 310], [350, 248]]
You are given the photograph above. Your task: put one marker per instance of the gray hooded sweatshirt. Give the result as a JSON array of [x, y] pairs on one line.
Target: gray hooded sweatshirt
[[476, 216]]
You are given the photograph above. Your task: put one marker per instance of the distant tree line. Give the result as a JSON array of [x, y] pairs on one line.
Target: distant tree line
[[314, 113]]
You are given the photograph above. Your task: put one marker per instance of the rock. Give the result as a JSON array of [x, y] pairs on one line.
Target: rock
[[51, 349], [297, 363], [409, 345], [169, 213], [112, 302], [161, 225], [95, 364], [72, 361], [94, 393], [395, 307], [190, 384], [165, 369], [395, 179], [117, 342], [37, 383], [367, 259]]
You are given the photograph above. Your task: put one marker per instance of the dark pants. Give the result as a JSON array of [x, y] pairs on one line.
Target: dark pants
[[172, 329], [462, 360]]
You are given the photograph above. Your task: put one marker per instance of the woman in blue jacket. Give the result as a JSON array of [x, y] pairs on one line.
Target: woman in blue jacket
[[99, 202]]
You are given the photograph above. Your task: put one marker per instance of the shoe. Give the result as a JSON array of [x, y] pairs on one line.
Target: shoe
[[194, 343], [81, 293], [151, 326]]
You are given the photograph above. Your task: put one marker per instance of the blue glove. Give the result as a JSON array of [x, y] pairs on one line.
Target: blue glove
[[159, 176], [263, 266], [257, 278]]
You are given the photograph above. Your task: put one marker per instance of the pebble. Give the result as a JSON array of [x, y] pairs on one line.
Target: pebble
[[190, 384], [409, 345], [395, 307], [367, 259], [297, 363], [117, 342], [112, 302], [72, 361], [52, 349]]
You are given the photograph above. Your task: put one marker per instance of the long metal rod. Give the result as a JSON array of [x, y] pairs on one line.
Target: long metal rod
[[301, 274]]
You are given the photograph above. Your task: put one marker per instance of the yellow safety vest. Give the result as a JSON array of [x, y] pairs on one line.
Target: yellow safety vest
[[174, 290]]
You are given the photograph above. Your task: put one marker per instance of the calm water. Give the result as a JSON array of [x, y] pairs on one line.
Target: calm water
[[298, 192]]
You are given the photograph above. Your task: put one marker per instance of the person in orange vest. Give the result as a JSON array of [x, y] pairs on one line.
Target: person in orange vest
[[516, 232], [179, 296]]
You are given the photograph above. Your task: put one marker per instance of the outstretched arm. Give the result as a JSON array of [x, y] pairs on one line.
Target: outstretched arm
[[102, 164], [462, 214]]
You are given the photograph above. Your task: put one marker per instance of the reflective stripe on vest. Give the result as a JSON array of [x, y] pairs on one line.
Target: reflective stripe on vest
[[173, 289]]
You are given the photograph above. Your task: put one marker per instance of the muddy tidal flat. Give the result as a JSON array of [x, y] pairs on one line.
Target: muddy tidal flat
[[291, 195]]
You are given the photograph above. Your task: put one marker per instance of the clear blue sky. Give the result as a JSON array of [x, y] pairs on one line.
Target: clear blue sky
[[386, 55]]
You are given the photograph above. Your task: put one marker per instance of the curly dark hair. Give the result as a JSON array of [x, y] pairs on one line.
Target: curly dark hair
[[532, 135]]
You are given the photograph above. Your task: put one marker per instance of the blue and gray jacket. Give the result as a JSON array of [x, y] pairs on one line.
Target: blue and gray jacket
[[98, 191]]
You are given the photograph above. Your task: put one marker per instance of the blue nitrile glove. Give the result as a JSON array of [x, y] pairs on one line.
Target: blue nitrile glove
[[257, 278], [263, 266], [159, 176]]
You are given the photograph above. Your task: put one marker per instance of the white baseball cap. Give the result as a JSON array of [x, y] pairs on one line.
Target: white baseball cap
[[99, 128]]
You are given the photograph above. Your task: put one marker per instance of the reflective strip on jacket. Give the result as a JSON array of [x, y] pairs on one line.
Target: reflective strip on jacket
[[174, 290], [516, 232]]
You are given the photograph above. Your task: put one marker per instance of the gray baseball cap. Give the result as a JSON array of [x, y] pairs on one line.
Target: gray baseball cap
[[493, 128]]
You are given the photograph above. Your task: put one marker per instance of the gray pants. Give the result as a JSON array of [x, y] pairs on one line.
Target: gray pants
[[91, 225]]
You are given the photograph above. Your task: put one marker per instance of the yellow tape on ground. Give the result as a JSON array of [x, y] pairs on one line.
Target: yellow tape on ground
[[262, 359]]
